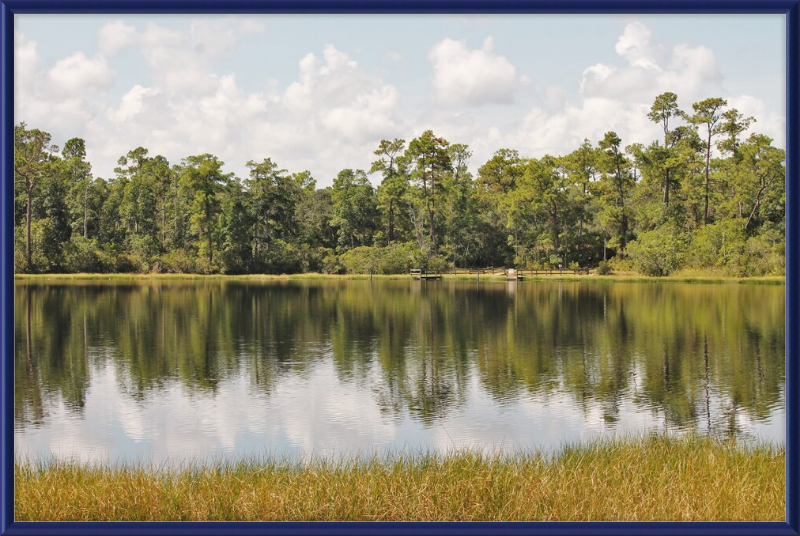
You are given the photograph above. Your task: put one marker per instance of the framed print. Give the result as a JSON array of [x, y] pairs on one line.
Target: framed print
[[399, 267]]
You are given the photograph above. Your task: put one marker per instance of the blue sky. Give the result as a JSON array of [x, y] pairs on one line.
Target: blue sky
[[320, 92]]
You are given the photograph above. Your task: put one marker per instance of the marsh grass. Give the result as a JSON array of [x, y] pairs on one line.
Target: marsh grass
[[656, 478]]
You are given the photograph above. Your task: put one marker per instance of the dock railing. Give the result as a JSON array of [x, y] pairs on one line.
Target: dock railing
[[417, 273]]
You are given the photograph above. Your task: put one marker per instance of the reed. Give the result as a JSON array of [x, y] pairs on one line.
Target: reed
[[654, 478]]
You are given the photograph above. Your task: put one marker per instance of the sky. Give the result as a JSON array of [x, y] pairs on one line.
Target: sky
[[319, 92]]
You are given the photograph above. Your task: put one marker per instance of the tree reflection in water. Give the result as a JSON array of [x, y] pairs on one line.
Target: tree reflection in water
[[697, 355]]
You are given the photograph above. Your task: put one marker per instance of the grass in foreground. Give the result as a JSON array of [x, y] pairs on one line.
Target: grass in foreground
[[649, 479]]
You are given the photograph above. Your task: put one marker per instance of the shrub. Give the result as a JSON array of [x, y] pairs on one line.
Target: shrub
[[396, 258], [82, 255], [330, 263], [658, 252], [283, 258], [178, 262], [360, 260], [619, 264], [436, 263], [603, 268], [717, 244]]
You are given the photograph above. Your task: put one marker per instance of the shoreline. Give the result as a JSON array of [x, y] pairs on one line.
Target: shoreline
[[617, 278], [646, 479]]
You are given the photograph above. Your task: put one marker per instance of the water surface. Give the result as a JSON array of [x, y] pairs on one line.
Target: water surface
[[163, 371]]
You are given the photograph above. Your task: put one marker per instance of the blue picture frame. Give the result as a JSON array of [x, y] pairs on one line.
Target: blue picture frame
[[791, 8]]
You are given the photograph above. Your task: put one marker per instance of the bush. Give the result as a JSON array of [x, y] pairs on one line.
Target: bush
[[83, 255], [330, 263], [396, 258], [603, 268], [716, 245], [619, 264], [283, 258], [360, 260], [436, 263], [177, 262], [658, 252], [126, 263]]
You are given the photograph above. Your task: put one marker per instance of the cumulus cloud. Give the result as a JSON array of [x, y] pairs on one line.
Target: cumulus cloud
[[690, 71], [618, 96], [474, 77], [212, 37], [77, 73], [57, 98], [328, 118], [769, 122], [26, 63], [333, 112], [115, 36]]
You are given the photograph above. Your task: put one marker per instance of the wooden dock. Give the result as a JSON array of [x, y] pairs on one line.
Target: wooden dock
[[424, 275], [514, 275]]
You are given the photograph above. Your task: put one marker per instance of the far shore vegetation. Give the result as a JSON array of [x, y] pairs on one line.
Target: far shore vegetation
[[707, 198], [647, 479], [682, 276]]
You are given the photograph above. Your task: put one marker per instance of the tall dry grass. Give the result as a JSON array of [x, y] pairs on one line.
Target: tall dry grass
[[637, 480]]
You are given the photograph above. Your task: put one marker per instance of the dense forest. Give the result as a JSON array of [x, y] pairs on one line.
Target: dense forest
[[708, 195]]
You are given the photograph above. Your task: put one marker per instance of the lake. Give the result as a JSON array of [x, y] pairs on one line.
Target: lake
[[169, 370]]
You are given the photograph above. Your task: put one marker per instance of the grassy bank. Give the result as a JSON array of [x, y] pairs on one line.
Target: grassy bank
[[680, 277], [648, 479]]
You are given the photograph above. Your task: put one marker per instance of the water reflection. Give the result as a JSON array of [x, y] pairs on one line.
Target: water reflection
[[168, 369]]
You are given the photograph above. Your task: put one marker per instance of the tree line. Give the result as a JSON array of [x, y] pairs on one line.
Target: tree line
[[706, 196]]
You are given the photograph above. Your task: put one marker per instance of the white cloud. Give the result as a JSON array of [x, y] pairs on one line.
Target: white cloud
[[689, 71], [474, 77], [768, 122], [132, 103], [618, 97], [333, 112], [329, 118], [115, 36], [634, 45], [212, 37], [77, 73], [26, 63]]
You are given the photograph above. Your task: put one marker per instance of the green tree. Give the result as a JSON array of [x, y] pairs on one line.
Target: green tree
[[429, 160], [269, 206], [202, 178], [79, 174], [664, 108], [582, 165], [733, 124], [762, 177], [497, 178], [33, 151], [459, 207], [235, 225], [394, 186], [709, 113], [354, 208], [617, 185]]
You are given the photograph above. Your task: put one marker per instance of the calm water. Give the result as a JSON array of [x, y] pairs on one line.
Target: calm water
[[161, 371]]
